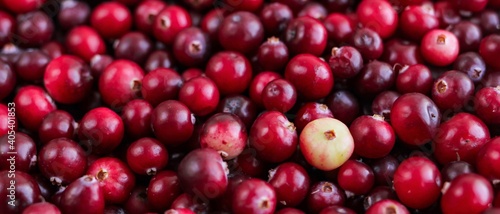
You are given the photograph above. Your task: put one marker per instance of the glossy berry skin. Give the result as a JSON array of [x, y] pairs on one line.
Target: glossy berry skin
[[145, 13], [382, 104], [377, 194], [138, 202], [417, 20], [414, 78], [387, 206], [83, 196], [311, 76], [159, 59], [469, 35], [200, 95], [344, 105], [373, 137], [472, 64], [147, 156], [254, 196], [241, 106], [231, 72], [163, 189], [415, 118], [73, 13], [111, 19], [379, 16], [273, 137], [57, 124], [368, 43], [67, 79], [355, 177], [85, 42], [309, 112], [42, 208], [487, 159], [7, 80], [136, 116], [244, 27], [324, 194], [27, 191], [275, 17], [452, 90], [211, 21], [161, 84], [314, 10], [375, 77], [6, 125], [345, 62], [279, 95], [26, 156], [31, 65], [258, 84], [273, 55], [291, 183], [472, 6], [290, 210], [453, 169], [7, 27], [306, 35], [172, 122], [23, 6], [417, 182], [62, 161], [225, 133], [439, 47], [115, 178], [489, 50], [38, 20], [206, 162], [120, 82], [133, 46], [339, 27], [250, 5], [32, 105], [460, 138], [101, 130], [169, 22], [402, 52], [486, 101], [192, 46], [468, 193]]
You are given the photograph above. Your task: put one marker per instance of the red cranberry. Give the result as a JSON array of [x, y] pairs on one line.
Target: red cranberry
[[414, 78], [175, 117], [211, 23], [25, 157], [279, 95], [402, 52], [120, 83], [133, 46], [73, 13], [309, 112], [417, 182], [115, 178], [7, 80], [487, 159], [101, 130], [98, 64], [373, 137], [290, 210], [460, 138], [169, 22], [249, 164], [200, 5], [136, 116], [356, 177], [486, 101], [258, 84], [472, 64], [42, 208], [335, 209], [254, 196], [415, 118], [31, 65], [339, 27], [163, 189], [145, 14], [191, 46], [446, 14], [191, 73], [25, 191], [83, 195], [452, 90], [311, 76], [7, 125], [384, 170], [54, 49], [161, 84], [382, 104], [200, 95], [306, 35], [471, 5], [275, 17], [468, 193], [159, 59], [377, 194], [345, 62], [379, 16], [230, 71], [324, 194], [206, 162], [147, 156], [488, 21], [111, 19], [387, 206], [344, 106], [489, 50], [57, 124], [193, 203], [85, 42], [62, 161], [291, 183], [468, 34], [33, 29], [249, 5], [240, 106], [32, 105], [375, 77], [6, 27], [244, 27], [417, 20], [439, 47], [273, 136], [225, 133], [368, 43], [67, 79], [453, 169], [272, 55], [138, 201], [491, 79], [314, 10], [295, 5]]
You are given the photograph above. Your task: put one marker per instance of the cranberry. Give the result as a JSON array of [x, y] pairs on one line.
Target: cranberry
[[211, 23], [57, 124], [98, 64], [83, 195], [147, 156], [486, 101], [460, 138], [249, 164], [42, 208], [487, 159], [7, 125], [345, 62], [115, 178], [468, 193], [163, 189], [311, 76], [258, 84], [368, 43], [491, 79], [191, 73], [384, 170], [272, 55], [62, 161], [169, 22], [415, 118], [446, 14], [191, 46], [145, 14], [279, 95], [31, 65], [295, 5], [375, 77], [471, 5], [416, 20], [161, 84], [382, 104], [290, 210], [54, 49], [387, 206], [33, 29], [468, 34], [111, 19], [85, 42], [25, 190], [25, 157], [402, 52], [273, 137], [240, 106], [324, 194], [73, 13], [206, 162], [136, 116], [291, 183], [193, 203], [379, 16], [6, 27], [175, 117], [313, 10], [32, 105], [200, 95], [377, 194], [254, 196], [414, 78], [453, 169], [200, 5], [225, 133], [23, 6], [306, 35], [309, 112], [133, 46], [344, 106], [249, 5], [120, 83], [339, 27], [373, 137], [489, 21], [472, 64], [159, 59], [7, 80], [489, 50], [439, 47], [452, 90], [356, 177], [231, 72], [138, 201], [67, 79], [101, 130], [244, 27], [275, 17]]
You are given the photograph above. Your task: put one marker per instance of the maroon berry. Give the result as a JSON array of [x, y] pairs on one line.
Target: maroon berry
[[279, 95], [240, 106], [486, 101], [487, 159], [453, 169], [368, 43], [163, 189], [375, 77], [339, 27], [452, 90], [161, 84], [258, 84], [414, 78], [192, 46], [468, 193], [73, 13], [345, 62], [62, 161], [355, 177], [272, 55], [111, 19], [31, 65], [200, 95], [244, 27], [383, 102], [32, 105], [417, 20], [172, 122], [57, 124], [373, 137], [145, 14], [387, 206], [230, 71], [147, 156], [344, 106], [275, 17], [402, 52], [225, 133], [101, 130], [136, 116], [133, 46], [254, 196], [85, 42], [169, 22], [306, 35], [324, 194], [291, 183], [16, 197], [469, 35], [27, 22], [26, 153], [7, 80], [472, 64], [115, 178], [311, 76], [159, 59], [309, 112], [120, 83], [83, 196]]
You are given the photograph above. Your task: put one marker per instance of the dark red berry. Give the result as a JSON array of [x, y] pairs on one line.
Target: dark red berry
[[147, 156], [62, 161], [254, 196]]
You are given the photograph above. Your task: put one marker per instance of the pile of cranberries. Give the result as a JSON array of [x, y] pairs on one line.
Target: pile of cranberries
[[250, 106]]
